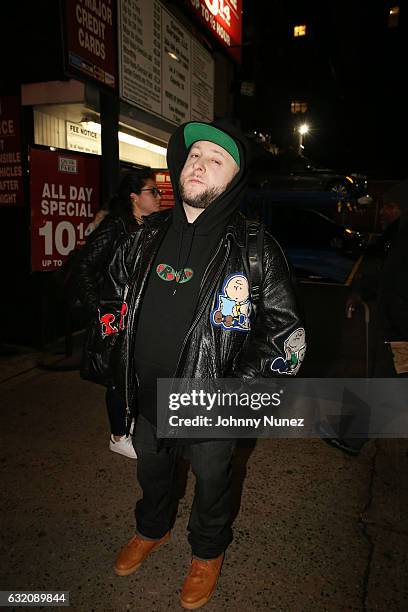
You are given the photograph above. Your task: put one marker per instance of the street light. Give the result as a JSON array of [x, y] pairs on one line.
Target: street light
[[302, 130]]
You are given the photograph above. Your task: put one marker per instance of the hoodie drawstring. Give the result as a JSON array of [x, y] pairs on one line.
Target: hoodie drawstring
[[180, 268]]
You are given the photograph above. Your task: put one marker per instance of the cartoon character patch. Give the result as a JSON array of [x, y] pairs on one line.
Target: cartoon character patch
[[107, 321], [233, 305], [295, 349]]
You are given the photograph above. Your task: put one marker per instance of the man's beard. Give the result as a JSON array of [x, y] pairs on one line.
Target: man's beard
[[203, 199]]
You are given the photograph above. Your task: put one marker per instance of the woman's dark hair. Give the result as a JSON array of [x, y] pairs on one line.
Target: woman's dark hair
[[132, 181]]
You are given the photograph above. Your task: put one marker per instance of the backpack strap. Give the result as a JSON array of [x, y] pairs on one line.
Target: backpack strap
[[254, 250]]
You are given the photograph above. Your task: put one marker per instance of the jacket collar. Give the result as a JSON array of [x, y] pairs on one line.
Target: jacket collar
[[157, 219], [236, 227]]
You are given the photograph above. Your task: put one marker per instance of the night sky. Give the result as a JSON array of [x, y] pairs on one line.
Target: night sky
[[348, 68]]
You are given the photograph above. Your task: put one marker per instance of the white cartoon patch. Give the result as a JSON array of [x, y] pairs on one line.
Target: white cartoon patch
[[295, 349], [233, 305]]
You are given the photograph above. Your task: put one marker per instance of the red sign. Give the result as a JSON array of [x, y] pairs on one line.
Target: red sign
[[91, 42], [164, 184], [11, 171], [224, 19], [64, 193]]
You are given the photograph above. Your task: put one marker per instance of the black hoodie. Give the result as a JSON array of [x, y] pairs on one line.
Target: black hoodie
[[168, 306]]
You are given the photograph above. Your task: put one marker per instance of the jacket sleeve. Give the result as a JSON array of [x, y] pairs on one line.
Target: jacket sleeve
[[94, 260], [101, 358], [119, 270], [277, 341]]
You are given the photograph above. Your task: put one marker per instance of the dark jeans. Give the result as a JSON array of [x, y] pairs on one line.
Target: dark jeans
[[116, 412], [210, 519]]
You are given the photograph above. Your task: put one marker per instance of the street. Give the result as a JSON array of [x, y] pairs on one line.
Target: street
[[317, 530]]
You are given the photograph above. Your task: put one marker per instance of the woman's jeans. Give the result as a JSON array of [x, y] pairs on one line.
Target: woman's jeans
[[116, 412]]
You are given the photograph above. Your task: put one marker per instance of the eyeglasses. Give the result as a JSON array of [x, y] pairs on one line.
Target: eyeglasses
[[154, 191]]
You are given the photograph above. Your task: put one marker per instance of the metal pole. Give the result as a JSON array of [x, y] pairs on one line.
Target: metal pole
[[367, 323]]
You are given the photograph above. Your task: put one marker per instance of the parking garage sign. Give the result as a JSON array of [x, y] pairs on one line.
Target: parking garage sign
[[64, 194]]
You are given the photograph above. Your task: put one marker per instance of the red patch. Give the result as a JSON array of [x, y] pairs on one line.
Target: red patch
[[123, 313], [107, 324], [170, 276]]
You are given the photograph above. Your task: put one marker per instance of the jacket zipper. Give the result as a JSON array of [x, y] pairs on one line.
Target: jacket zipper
[[127, 362], [128, 329]]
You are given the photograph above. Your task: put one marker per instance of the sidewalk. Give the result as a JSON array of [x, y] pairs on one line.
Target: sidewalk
[[16, 359], [317, 530]]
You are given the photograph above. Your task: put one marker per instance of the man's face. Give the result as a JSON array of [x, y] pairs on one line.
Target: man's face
[[206, 174]]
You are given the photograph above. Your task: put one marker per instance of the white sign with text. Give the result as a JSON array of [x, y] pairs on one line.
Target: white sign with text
[[80, 138], [163, 69]]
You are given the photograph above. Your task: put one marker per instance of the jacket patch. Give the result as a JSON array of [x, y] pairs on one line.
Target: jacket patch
[[107, 321], [233, 305], [168, 273], [295, 349]]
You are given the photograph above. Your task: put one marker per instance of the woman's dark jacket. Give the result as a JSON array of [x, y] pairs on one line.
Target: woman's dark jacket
[[95, 257]]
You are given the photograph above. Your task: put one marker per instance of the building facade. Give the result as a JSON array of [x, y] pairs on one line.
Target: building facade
[[95, 87]]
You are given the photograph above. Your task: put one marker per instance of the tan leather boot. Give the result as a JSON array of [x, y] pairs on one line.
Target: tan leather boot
[[135, 552], [200, 582]]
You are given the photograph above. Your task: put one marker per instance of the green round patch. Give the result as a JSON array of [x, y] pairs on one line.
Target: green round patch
[[166, 272], [183, 276]]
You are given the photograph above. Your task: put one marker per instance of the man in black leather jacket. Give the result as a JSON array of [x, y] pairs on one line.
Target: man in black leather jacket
[[177, 303]]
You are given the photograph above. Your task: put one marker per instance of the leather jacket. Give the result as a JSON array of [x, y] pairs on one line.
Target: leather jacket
[[95, 256], [273, 343]]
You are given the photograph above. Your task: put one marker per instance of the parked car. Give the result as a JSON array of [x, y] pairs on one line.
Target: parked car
[[317, 247], [291, 172], [303, 228]]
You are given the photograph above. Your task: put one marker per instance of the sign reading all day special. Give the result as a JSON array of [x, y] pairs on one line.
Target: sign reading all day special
[[64, 194], [163, 69]]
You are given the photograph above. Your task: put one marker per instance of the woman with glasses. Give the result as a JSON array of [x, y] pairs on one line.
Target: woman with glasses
[[137, 197]]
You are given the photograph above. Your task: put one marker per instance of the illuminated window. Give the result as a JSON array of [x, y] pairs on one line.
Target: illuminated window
[[299, 30], [297, 106], [393, 16]]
